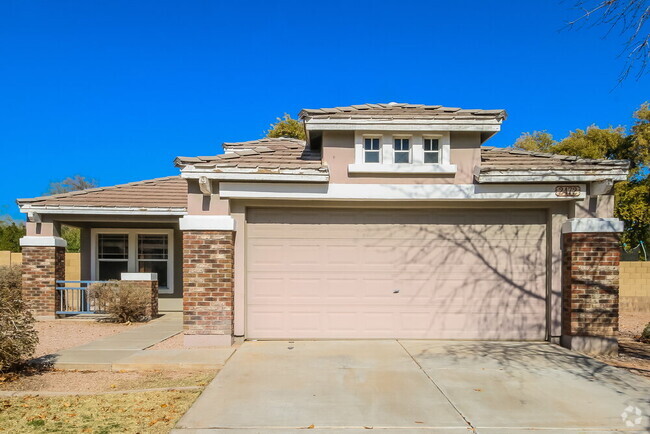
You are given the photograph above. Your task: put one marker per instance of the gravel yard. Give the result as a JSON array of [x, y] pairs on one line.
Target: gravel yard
[[61, 334], [633, 355]]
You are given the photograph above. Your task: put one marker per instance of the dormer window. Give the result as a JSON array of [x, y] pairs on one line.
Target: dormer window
[[431, 151], [402, 150], [371, 150]]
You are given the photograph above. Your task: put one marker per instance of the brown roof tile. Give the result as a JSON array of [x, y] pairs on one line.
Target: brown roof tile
[[510, 159], [168, 192], [269, 153], [401, 111]]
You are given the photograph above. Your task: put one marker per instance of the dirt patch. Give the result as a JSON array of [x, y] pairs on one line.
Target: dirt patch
[[57, 335], [150, 412], [103, 381], [632, 354]]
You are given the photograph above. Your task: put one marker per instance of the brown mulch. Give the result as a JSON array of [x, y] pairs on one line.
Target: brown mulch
[[633, 355], [62, 334]]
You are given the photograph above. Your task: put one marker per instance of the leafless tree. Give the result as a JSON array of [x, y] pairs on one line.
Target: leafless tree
[[627, 17]]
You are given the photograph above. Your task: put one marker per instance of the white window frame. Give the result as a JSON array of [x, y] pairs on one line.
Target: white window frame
[[410, 150], [415, 166], [379, 138], [133, 251], [439, 151]]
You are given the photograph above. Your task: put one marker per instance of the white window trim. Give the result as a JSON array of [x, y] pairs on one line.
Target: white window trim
[[416, 166], [410, 151], [133, 251], [361, 150]]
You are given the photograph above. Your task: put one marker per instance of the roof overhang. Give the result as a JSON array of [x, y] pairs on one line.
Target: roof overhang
[[89, 210], [482, 125], [191, 172], [398, 192], [546, 176]]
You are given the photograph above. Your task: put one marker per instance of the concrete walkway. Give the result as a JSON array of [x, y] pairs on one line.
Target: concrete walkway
[[125, 351], [417, 386]]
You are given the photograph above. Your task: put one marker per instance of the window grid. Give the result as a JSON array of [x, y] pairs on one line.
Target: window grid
[[371, 150], [431, 151], [402, 150]]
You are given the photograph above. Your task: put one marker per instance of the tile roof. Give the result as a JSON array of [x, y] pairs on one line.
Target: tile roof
[[402, 111], [511, 159], [270, 155], [169, 193]]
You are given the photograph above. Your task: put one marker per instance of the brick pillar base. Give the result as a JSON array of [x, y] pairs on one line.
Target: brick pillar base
[[42, 266], [590, 292], [208, 257]]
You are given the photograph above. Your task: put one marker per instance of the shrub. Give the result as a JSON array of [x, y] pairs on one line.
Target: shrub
[[18, 339], [645, 335], [123, 301]]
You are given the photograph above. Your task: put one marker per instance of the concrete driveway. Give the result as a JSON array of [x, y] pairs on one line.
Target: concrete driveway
[[417, 386]]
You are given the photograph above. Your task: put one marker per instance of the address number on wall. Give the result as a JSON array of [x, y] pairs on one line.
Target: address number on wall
[[567, 191]]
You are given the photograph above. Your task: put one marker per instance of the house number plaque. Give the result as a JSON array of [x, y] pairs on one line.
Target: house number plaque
[[567, 191]]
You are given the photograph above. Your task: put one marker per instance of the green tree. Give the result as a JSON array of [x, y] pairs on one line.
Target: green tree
[[633, 195], [71, 234], [538, 141], [10, 233], [287, 127]]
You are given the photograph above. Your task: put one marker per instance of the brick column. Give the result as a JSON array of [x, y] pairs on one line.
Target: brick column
[[591, 255], [208, 291], [43, 264]]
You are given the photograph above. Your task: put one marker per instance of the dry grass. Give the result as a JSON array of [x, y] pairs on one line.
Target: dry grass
[[147, 412], [102, 381]]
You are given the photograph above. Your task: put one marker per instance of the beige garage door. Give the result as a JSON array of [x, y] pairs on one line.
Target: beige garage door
[[443, 274]]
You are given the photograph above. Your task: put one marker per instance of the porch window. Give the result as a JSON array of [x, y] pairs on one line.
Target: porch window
[[153, 256], [116, 251], [112, 255]]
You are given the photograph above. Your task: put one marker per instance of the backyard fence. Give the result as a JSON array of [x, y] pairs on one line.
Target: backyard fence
[[72, 263], [634, 286]]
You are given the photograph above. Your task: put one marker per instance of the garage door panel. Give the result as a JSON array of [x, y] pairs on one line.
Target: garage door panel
[[336, 274]]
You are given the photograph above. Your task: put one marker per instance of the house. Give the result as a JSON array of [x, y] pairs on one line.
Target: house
[[391, 221]]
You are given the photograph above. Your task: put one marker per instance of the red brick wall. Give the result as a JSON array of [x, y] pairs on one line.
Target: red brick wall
[[590, 284], [208, 282], [42, 267]]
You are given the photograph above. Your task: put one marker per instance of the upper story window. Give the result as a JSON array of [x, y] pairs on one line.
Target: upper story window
[[431, 151], [402, 150], [371, 150]]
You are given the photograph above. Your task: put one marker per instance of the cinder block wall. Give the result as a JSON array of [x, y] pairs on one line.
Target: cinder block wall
[[634, 286]]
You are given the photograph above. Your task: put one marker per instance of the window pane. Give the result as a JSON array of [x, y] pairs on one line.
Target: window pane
[[112, 270], [371, 157], [159, 267], [401, 157], [431, 157], [430, 144], [371, 144], [113, 246], [152, 246]]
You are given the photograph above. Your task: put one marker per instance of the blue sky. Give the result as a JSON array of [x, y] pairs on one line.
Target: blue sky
[[114, 90]]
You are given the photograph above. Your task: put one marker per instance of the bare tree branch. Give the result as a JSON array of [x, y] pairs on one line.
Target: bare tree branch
[[631, 19]]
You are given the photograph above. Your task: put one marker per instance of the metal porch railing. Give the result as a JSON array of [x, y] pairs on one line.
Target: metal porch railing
[[75, 299]]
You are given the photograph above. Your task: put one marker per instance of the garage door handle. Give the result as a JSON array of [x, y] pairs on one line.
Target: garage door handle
[[396, 291]]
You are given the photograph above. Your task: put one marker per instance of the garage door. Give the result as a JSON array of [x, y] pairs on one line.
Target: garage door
[[443, 274]]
